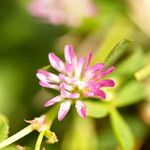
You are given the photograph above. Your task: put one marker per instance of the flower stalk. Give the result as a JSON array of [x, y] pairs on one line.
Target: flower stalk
[[17, 136], [41, 124], [39, 140]]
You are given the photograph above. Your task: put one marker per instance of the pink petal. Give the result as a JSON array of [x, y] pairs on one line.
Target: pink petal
[[79, 68], [69, 68], [92, 71], [66, 94], [89, 94], [56, 63], [99, 93], [48, 85], [46, 76], [73, 96], [105, 72], [66, 86], [102, 83], [63, 91], [64, 108], [107, 83], [95, 93], [81, 109], [89, 59], [64, 78], [53, 101], [70, 55], [97, 67]]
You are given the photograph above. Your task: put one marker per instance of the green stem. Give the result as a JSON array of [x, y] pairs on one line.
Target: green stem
[[50, 115], [17, 136], [39, 140]]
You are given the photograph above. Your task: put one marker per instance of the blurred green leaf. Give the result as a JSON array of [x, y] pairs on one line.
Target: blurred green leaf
[[138, 127], [3, 127], [12, 81], [119, 31], [107, 139], [96, 109], [130, 65], [143, 73], [81, 136], [131, 93], [121, 130], [117, 51]]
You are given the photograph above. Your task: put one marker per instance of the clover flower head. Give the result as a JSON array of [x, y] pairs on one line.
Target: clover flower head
[[76, 81]]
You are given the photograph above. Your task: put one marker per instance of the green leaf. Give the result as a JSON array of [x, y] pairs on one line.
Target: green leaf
[[117, 51], [131, 93], [130, 65], [143, 73], [3, 127], [81, 136], [119, 31], [96, 109], [122, 131], [107, 139]]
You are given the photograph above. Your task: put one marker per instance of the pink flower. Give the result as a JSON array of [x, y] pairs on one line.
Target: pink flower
[[76, 81], [69, 12]]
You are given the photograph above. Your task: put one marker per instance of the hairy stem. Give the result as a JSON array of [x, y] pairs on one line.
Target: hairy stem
[[17, 136]]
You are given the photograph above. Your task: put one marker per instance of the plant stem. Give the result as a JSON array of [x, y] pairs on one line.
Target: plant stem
[[39, 140], [16, 136], [51, 114]]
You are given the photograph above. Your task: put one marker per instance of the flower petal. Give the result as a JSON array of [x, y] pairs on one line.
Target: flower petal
[[48, 85], [80, 64], [70, 55], [42, 75], [100, 94], [56, 62], [89, 59], [67, 94], [105, 72], [65, 78], [97, 67], [96, 93], [81, 108], [69, 69], [92, 71], [46, 76], [107, 83], [53, 101], [88, 94], [66, 86], [64, 108]]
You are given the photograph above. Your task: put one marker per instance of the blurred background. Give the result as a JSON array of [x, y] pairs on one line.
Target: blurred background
[[30, 29]]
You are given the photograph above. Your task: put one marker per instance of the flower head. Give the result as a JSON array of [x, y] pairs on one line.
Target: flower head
[[69, 12], [76, 81]]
